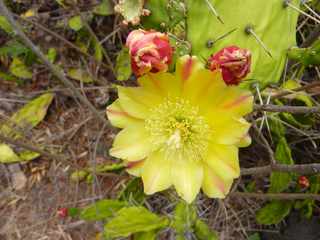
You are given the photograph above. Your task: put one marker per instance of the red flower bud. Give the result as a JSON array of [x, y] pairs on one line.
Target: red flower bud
[[62, 212], [234, 63], [303, 182], [150, 51]]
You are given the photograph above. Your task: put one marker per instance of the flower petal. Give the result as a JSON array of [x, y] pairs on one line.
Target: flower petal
[[228, 129], [202, 86], [136, 101], [245, 141], [213, 185], [156, 173], [223, 160], [187, 178], [131, 143], [163, 84], [237, 101], [118, 117], [186, 67]]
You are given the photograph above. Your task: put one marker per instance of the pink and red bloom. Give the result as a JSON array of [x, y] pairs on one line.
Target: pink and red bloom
[[234, 62], [150, 51]]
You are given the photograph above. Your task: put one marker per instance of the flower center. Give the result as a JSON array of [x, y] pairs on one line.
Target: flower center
[[177, 128]]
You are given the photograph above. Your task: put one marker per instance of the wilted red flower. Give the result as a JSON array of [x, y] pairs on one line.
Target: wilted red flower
[[303, 182], [234, 63], [62, 212], [150, 51]]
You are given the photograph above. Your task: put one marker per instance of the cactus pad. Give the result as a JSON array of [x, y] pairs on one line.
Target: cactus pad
[[272, 22]]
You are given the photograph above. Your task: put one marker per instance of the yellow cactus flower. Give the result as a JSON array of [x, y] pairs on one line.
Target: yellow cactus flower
[[182, 129]]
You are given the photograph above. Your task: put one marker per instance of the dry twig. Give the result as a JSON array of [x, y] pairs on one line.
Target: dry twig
[[313, 168]]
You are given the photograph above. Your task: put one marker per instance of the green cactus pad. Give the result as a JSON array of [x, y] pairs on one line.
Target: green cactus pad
[[273, 23]]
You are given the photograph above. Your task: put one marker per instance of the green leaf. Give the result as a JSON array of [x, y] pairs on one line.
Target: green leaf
[[80, 75], [7, 155], [280, 181], [151, 235], [78, 176], [52, 54], [29, 115], [203, 232], [101, 168], [27, 155], [306, 56], [7, 77], [184, 217], [104, 8], [301, 95], [19, 69], [75, 23], [131, 220], [61, 3], [274, 212], [5, 25], [133, 192], [255, 236], [13, 48], [26, 118], [101, 210], [276, 126], [123, 65], [98, 51]]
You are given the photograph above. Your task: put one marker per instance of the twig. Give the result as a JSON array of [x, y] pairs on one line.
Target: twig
[[312, 168], [266, 144], [288, 109], [276, 196], [56, 71], [299, 89], [31, 148]]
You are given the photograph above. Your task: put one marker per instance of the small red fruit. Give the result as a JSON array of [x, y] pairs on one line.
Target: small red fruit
[[234, 62], [62, 212], [304, 182]]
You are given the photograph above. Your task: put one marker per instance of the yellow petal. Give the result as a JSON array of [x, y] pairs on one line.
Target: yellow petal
[[245, 141], [137, 102], [186, 67], [120, 118], [131, 143], [228, 129], [236, 101], [187, 178], [204, 87], [213, 185], [162, 83], [223, 160], [156, 173]]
